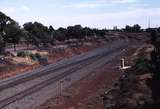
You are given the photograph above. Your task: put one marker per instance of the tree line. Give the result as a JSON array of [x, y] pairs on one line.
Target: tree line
[[37, 34], [134, 28]]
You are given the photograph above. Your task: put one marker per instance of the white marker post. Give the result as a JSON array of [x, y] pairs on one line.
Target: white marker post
[[123, 67], [122, 63]]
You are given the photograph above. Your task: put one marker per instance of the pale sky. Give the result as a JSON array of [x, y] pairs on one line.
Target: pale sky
[[92, 13]]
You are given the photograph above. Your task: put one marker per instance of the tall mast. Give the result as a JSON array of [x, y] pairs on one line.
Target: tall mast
[[149, 23]]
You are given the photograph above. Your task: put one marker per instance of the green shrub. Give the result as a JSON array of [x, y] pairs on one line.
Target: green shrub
[[38, 56], [35, 57], [142, 64], [23, 53]]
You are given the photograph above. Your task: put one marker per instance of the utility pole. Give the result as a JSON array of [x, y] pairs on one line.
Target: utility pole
[[149, 23]]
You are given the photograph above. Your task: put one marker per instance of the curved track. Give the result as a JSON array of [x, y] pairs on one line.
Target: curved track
[[75, 64]]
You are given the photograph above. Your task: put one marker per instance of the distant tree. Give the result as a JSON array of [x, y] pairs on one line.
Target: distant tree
[[39, 33], [158, 29], [51, 29], [12, 33], [26, 37], [128, 28], [148, 30], [99, 33], [70, 32], [2, 44], [136, 28], [4, 21], [28, 30], [78, 29], [52, 34], [87, 32], [61, 34], [75, 32]]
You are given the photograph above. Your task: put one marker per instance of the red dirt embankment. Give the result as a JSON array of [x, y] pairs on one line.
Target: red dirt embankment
[[9, 70]]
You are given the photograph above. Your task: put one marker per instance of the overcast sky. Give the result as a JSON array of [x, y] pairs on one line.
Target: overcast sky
[[92, 13]]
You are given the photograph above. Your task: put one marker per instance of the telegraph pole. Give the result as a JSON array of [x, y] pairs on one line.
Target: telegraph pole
[[60, 87], [149, 23]]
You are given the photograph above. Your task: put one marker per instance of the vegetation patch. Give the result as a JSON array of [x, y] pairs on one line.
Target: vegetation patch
[[34, 57]]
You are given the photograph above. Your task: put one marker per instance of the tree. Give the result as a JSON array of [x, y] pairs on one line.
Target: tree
[[2, 44], [136, 28], [61, 34], [12, 33], [39, 33], [158, 29], [99, 33], [28, 30], [87, 32], [128, 28], [26, 37], [52, 35], [78, 32], [75, 32], [4, 21]]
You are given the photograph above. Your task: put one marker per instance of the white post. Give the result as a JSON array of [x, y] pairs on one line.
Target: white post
[[122, 63]]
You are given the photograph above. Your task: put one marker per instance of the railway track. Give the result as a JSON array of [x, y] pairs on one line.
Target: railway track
[[9, 100], [76, 65]]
